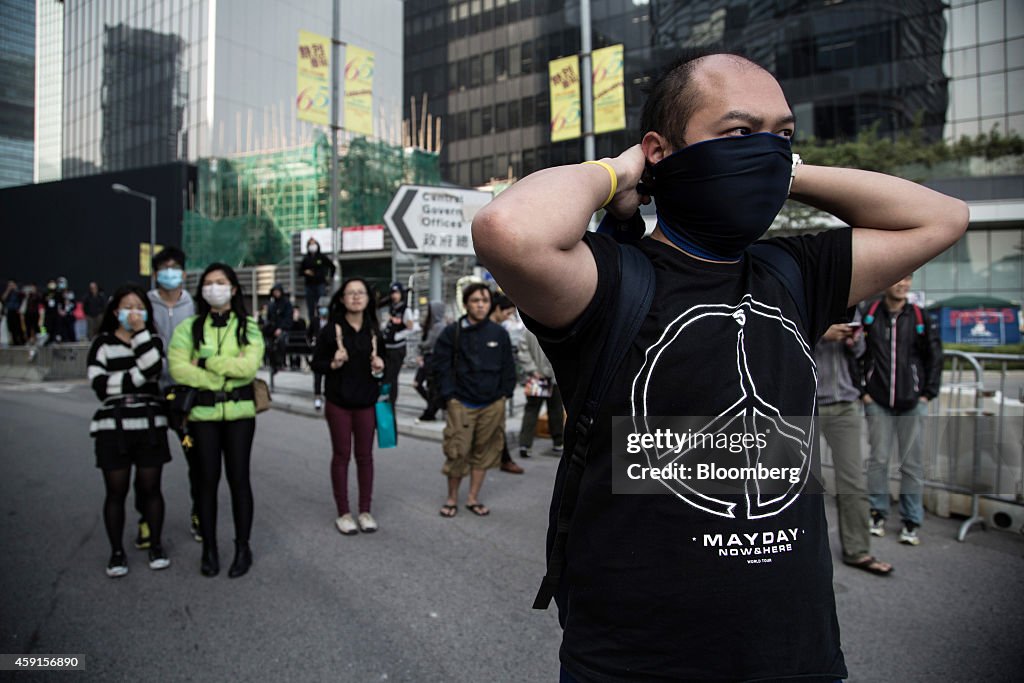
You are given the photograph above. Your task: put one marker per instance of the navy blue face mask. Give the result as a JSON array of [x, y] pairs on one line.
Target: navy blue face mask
[[717, 197]]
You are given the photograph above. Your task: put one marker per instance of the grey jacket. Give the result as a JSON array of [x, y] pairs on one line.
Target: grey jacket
[[436, 328], [531, 358], [836, 382], [166, 318]]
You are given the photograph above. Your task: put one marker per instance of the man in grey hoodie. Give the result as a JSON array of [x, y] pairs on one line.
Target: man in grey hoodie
[[171, 305]]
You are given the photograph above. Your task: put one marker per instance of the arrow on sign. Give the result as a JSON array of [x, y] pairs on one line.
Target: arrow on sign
[[434, 220], [398, 217]]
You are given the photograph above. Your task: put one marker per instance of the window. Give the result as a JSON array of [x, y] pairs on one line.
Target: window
[[501, 64], [527, 110], [487, 120], [526, 62], [475, 71], [501, 117], [515, 60], [488, 67], [474, 123]]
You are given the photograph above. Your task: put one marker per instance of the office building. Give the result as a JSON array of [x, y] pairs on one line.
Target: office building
[[943, 69], [17, 85], [156, 81]]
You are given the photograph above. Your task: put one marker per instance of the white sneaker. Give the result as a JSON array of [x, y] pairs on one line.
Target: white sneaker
[[318, 403], [346, 525], [908, 534], [158, 558], [366, 523], [118, 565]]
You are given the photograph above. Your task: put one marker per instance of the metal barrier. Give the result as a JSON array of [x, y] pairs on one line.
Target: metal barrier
[[53, 362], [995, 460], [974, 440]]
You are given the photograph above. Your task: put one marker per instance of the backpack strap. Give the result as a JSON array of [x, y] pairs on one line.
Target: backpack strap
[[783, 266], [919, 316], [870, 316], [636, 292]]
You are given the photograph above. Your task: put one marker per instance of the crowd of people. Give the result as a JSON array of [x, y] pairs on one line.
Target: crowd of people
[[34, 317], [693, 321]]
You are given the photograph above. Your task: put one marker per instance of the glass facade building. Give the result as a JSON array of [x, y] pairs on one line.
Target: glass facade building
[[951, 68], [984, 57], [49, 113], [17, 86], [844, 66], [151, 81]]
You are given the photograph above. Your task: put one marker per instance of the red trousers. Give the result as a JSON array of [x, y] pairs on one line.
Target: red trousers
[[348, 426]]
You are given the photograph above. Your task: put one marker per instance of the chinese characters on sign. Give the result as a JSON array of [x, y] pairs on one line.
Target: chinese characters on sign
[[434, 220], [564, 76], [313, 79]]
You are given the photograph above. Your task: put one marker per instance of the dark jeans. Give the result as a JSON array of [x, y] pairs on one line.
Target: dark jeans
[[532, 410], [427, 388], [393, 359], [14, 326], [313, 295]]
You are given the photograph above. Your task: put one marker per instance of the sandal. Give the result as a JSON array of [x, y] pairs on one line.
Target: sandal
[[449, 511], [478, 509], [872, 565]]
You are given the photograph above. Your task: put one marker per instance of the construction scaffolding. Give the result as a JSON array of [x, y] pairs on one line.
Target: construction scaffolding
[[246, 207]]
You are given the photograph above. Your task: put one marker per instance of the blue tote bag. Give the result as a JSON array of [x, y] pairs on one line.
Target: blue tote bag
[[387, 428]]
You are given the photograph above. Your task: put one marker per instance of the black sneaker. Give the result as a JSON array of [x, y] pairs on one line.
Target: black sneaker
[[142, 538], [524, 452], [158, 558], [118, 565]]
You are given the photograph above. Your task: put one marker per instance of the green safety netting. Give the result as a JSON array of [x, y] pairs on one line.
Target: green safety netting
[[245, 208]]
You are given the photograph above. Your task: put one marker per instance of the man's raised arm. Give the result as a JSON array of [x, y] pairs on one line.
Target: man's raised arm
[[529, 236], [898, 225]]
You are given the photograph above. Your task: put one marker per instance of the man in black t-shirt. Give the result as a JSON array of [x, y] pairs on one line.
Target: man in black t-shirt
[[704, 583]]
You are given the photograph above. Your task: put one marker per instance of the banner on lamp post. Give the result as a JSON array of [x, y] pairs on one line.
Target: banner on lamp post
[[313, 78], [564, 81], [609, 90], [359, 67]]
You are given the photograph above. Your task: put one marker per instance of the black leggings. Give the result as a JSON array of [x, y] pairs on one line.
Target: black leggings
[[193, 486], [234, 440], [149, 499]]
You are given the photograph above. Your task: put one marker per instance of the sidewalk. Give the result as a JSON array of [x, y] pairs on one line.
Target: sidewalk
[[293, 392]]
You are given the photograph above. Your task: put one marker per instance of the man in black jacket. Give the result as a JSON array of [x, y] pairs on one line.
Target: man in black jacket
[[317, 269], [476, 373], [279, 323], [902, 371]]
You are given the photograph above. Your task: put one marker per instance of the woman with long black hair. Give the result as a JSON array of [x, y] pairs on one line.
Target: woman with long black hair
[[348, 353], [218, 352], [130, 428]]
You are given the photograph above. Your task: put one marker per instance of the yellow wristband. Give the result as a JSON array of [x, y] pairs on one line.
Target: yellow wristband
[[615, 180]]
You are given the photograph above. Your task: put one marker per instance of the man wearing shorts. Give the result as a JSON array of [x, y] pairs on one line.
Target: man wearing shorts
[[476, 373]]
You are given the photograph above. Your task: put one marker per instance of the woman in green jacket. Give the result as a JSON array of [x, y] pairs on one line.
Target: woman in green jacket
[[218, 352]]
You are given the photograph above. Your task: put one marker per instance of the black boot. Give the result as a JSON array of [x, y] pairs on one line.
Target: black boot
[[243, 560], [210, 564]]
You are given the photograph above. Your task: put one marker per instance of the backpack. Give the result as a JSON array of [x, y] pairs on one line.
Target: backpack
[[869, 317], [636, 292]]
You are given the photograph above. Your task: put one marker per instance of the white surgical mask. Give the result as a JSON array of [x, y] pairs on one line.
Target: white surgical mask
[[217, 295], [313, 249]]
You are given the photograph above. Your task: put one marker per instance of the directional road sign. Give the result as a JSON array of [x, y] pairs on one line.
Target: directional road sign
[[434, 220]]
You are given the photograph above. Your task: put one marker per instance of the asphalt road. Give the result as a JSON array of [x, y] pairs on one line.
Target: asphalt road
[[425, 599]]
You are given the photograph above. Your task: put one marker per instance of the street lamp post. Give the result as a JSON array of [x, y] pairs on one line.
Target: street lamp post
[[124, 189]]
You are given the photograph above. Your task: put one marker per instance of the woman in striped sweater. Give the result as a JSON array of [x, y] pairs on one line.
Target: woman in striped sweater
[[130, 428]]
